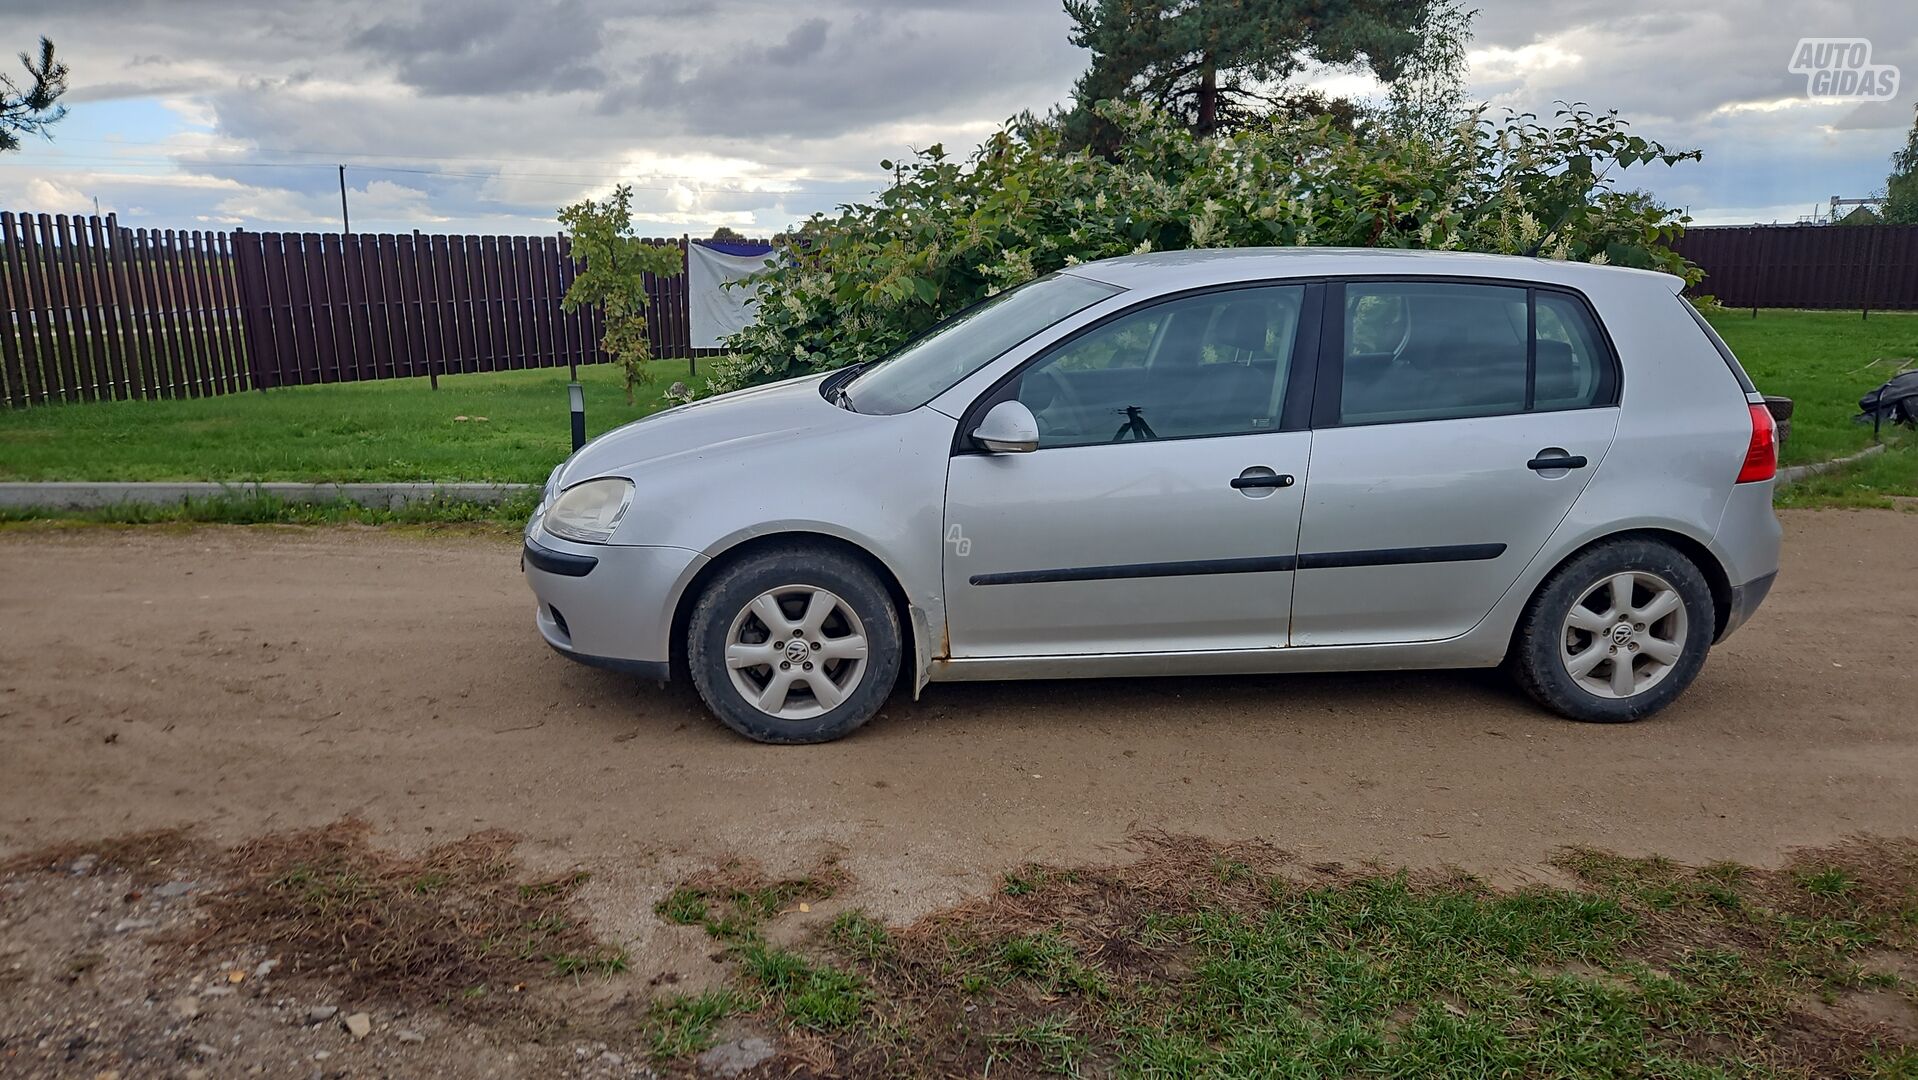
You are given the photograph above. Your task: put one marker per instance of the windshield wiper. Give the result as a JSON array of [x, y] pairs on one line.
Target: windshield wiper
[[838, 394]]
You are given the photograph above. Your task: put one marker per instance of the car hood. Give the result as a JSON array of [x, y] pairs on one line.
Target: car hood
[[723, 425]]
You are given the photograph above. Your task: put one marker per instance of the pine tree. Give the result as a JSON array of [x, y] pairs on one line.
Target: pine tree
[[32, 110], [1222, 64]]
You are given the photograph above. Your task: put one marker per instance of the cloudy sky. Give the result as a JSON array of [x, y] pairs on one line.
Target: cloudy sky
[[484, 115]]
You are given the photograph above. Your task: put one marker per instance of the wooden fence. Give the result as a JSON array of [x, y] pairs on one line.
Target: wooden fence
[[1865, 267], [98, 312]]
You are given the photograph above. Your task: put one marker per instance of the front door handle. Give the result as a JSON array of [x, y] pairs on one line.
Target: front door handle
[[1552, 458], [1280, 480]]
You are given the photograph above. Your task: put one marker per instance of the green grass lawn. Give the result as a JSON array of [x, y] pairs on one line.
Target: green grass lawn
[[393, 429], [1226, 961]]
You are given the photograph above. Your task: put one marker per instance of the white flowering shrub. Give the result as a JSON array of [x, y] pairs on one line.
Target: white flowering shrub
[[860, 283]]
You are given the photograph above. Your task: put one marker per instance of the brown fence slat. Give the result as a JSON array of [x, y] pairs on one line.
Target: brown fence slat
[[488, 296], [213, 313], [280, 272], [412, 313], [430, 258], [393, 308], [139, 332], [83, 308], [189, 317], [179, 336], [340, 306], [53, 298], [179, 332], [256, 314], [20, 353], [569, 321], [363, 289], [542, 297]]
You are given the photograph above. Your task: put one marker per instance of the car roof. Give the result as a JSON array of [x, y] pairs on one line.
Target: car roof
[[1165, 271]]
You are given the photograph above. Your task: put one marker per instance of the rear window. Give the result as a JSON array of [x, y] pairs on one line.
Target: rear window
[[1724, 350]]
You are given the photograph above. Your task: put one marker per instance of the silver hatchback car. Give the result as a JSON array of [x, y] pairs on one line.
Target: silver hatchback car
[[1200, 462]]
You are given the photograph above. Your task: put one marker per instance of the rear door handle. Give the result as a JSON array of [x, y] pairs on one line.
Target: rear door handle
[[1548, 460], [1282, 480]]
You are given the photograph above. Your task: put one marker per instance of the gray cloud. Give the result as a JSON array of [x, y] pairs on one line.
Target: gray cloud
[[490, 47]]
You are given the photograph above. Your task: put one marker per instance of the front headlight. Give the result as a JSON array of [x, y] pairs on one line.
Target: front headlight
[[589, 512]]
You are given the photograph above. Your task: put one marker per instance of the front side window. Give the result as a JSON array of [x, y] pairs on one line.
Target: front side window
[[937, 360], [1213, 364], [1438, 350]]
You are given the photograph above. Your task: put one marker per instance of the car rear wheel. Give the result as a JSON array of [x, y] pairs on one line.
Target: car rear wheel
[[794, 644], [1616, 634]]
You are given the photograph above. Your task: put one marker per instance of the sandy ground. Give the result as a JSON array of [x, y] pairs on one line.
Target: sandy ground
[[247, 680]]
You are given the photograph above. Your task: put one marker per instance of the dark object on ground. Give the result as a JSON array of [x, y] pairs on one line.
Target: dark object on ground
[[1781, 409], [1896, 401]]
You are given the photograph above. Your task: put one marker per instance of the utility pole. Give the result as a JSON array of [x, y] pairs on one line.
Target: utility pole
[[346, 225]]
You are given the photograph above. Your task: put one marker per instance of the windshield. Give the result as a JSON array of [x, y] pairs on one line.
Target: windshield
[[935, 362]]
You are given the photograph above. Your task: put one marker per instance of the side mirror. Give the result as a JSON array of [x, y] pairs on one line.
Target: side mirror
[[1008, 428]]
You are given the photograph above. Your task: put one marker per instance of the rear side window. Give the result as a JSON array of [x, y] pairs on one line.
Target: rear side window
[[1440, 350], [1724, 350]]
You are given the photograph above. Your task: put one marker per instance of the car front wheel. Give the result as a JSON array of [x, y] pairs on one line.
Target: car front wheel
[[1616, 634], [794, 644]]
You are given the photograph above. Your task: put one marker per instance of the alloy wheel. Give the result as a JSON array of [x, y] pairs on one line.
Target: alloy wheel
[[796, 651], [1624, 635]]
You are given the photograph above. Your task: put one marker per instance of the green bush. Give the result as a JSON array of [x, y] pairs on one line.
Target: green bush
[[950, 233]]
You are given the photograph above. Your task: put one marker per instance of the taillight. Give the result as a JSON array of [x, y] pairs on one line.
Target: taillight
[[1761, 456]]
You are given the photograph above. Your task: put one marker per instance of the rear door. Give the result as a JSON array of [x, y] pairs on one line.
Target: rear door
[[1454, 426]]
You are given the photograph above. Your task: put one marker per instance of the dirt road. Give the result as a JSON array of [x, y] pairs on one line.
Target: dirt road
[[246, 680]]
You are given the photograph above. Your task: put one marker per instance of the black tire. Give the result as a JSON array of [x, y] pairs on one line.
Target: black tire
[[1535, 658], [736, 586]]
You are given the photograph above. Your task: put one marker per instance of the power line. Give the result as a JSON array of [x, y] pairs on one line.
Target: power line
[[788, 187], [350, 154]]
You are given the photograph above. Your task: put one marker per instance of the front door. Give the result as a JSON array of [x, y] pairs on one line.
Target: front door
[[1161, 510], [1456, 425]]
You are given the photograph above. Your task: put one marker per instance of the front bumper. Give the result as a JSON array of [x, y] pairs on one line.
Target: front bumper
[[605, 605]]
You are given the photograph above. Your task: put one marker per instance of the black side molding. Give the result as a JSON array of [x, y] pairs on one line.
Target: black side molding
[[557, 562], [1330, 560], [1325, 560], [1193, 568]]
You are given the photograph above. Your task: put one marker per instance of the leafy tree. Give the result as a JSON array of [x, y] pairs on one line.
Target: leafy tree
[[614, 279], [1901, 187], [1220, 65], [725, 234], [863, 281], [32, 110]]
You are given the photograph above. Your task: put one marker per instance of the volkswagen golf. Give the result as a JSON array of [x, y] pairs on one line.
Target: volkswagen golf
[[1199, 462]]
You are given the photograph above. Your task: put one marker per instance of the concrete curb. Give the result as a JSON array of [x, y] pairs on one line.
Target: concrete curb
[[1798, 472], [82, 495], [93, 496]]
